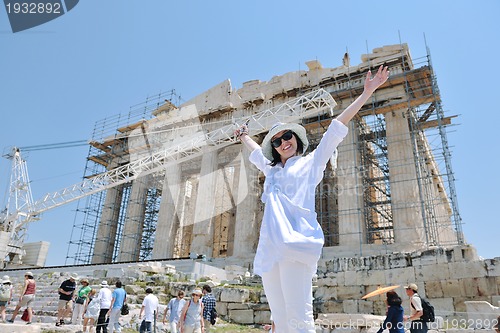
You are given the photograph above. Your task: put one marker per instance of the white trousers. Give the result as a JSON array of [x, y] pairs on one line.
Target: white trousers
[[173, 327], [288, 288], [77, 314]]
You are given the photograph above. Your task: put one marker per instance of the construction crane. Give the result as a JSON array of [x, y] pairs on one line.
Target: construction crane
[[22, 209]]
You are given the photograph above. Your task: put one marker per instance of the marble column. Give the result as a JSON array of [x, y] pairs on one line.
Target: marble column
[[350, 191], [246, 231], [130, 246], [170, 211], [408, 224], [202, 241]]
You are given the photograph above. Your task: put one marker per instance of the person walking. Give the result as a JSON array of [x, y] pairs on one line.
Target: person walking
[[118, 297], [394, 318], [92, 308], [174, 309], [65, 305], [209, 304], [105, 296], [80, 302], [191, 320], [150, 306], [5, 295], [291, 238], [416, 310], [27, 297]]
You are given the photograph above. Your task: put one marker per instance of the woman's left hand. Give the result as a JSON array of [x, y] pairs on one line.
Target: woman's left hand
[[371, 84]]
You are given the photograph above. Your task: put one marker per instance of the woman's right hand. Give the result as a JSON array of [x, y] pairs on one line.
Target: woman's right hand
[[243, 129]]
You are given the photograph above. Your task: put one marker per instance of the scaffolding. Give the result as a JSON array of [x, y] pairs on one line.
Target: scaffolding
[[370, 145]]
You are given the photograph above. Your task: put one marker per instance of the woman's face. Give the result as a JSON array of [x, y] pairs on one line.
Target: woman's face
[[287, 148]]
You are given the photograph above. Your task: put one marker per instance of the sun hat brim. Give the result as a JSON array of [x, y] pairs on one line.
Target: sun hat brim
[[299, 130]]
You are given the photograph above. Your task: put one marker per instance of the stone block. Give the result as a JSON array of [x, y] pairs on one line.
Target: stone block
[[325, 293], [262, 317], [432, 272], [433, 289], [460, 270], [481, 314], [351, 278], [350, 306], [371, 277], [238, 306], [222, 310], [451, 288], [134, 290], [241, 316], [350, 292], [443, 307], [99, 273], [329, 281], [400, 275], [235, 295], [365, 306], [478, 286]]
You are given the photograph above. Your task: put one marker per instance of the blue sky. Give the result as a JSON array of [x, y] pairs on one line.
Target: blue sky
[[102, 57]]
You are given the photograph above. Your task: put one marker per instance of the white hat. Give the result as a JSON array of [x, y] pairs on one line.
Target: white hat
[[28, 273], [412, 286], [73, 276], [6, 279], [104, 284], [197, 291], [299, 130]]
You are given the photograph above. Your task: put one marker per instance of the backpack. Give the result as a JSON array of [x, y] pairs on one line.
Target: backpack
[[213, 316], [4, 292], [427, 309]]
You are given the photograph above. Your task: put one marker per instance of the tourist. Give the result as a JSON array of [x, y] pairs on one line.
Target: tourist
[[416, 310], [209, 303], [92, 308], [174, 309], [5, 295], [291, 238], [394, 318], [65, 305], [191, 320], [105, 296], [118, 298], [27, 297], [150, 308], [80, 301]]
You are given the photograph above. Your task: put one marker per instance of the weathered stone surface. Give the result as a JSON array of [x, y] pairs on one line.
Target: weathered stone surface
[[134, 290], [241, 316], [238, 306], [433, 289], [235, 295], [451, 288], [262, 317]]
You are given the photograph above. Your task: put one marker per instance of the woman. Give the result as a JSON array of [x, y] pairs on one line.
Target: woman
[[80, 301], [394, 319], [5, 295], [291, 238], [191, 320], [92, 308], [27, 297]]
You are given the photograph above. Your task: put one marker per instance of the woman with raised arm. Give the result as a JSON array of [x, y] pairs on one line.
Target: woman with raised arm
[[291, 238]]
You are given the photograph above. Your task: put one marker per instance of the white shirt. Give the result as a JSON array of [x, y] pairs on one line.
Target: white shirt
[[105, 297], [289, 227], [150, 305], [175, 307], [417, 304]]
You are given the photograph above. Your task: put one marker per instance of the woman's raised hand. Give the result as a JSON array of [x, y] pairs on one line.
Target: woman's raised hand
[[371, 84]]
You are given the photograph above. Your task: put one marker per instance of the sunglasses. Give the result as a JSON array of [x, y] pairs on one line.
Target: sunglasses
[[286, 136]]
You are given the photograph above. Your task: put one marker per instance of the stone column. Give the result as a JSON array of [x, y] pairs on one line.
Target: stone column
[[130, 246], [205, 205], [184, 234], [350, 191], [106, 232], [246, 232], [168, 217], [406, 211]]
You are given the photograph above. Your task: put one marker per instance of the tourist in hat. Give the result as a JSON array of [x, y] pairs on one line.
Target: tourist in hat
[[291, 238], [105, 296], [416, 310], [65, 305], [191, 320], [27, 297], [80, 301], [5, 295]]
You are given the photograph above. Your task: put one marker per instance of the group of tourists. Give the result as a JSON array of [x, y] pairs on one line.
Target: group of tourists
[[100, 310]]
